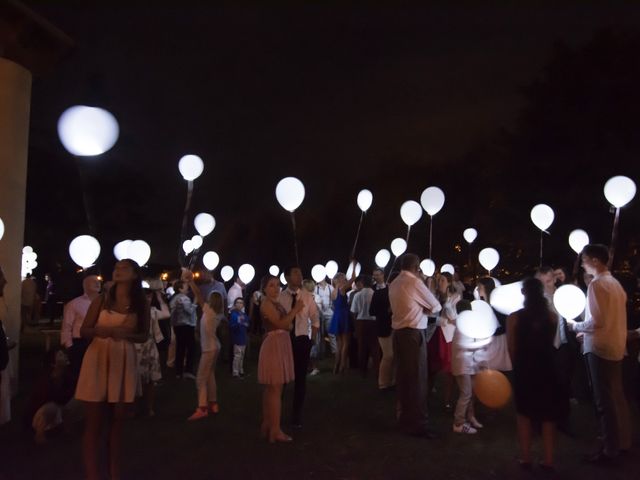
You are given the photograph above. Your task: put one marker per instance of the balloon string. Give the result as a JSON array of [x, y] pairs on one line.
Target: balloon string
[[353, 250], [87, 204], [430, 235], [295, 239], [576, 266], [183, 231], [408, 233], [541, 239], [614, 238], [395, 259]]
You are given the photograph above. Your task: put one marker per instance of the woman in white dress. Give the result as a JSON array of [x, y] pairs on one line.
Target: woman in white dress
[[108, 377]]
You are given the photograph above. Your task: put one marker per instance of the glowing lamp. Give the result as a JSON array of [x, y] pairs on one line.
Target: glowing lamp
[[1, 229], [470, 234], [479, 322], [432, 200], [290, 193], [274, 270], [488, 258], [542, 216], [121, 249], [226, 273], [204, 223], [410, 212], [398, 246], [196, 242], [331, 268], [211, 260], [187, 247], [428, 267], [492, 388], [283, 281], [246, 272], [619, 190], [569, 301], [365, 199], [508, 298], [447, 268], [87, 131], [318, 273], [191, 167], [577, 240], [382, 258], [350, 270], [139, 251], [84, 250]]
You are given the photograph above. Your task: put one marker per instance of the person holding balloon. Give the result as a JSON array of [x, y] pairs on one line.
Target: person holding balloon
[[275, 361], [341, 326], [537, 390]]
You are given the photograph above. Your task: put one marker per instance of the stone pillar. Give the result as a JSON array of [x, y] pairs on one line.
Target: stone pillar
[[15, 102]]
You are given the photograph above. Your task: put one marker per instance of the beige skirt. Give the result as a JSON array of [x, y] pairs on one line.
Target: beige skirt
[[275, 363]]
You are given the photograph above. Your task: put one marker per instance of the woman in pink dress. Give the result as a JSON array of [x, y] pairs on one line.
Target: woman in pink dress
[[108, 377], [275, 363]]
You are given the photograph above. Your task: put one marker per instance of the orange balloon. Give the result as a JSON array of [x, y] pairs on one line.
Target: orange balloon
[[492, 388]]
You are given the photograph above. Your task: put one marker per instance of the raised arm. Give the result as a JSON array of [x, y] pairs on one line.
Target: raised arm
[[270, 313]]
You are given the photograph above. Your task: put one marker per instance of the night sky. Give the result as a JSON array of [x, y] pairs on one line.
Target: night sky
[[477, 99]]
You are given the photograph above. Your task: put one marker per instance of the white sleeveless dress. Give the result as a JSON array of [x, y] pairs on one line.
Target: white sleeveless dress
[[109, 368]]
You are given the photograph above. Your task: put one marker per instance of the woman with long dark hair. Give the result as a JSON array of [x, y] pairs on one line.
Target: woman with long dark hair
[[108, 376], [530, 334]]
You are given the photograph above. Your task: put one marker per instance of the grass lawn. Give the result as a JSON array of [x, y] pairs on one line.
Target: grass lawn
[[349, 433]]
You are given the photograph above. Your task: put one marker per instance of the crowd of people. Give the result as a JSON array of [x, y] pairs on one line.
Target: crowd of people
[[399, 329]]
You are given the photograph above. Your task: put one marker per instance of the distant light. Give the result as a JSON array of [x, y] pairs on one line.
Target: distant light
[[365, 199], [196, 275], [191, 167], [87, 131], [619, 190], [99, 277], [164, 276]]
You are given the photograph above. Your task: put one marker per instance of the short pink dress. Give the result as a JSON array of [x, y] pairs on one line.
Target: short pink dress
[[275, 363], [109, 368]]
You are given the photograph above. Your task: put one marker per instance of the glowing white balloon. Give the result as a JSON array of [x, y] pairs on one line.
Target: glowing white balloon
[[274, 270], [196, 242], [246, 272], [1, 228], [398, 246], [145, 284], [382, 258], [432, 200], [290, 193], [350, 270], [204, 223], [507, 298], [191, 167], [479, 322], [27, 249], [87, 131], [283, 280], [84, 250], [187, 247], [447, 268], [488, 258], [410, 212], [619, 190], [226, 273], [211, 260], [28, 261], [428, 267], [365, 199], [139, 251], [121, 249], [318, 273], [470, 234], [569, 301], [331, 268], [577, 240], [542, 216]]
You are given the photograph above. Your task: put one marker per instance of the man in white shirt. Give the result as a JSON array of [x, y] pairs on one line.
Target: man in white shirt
[[323, 292], [365, 326], [411, 303], [72, 318], [605, 335], [304, 331]]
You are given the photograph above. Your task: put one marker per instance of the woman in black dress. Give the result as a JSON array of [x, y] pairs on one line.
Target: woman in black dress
[[530, 334]]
